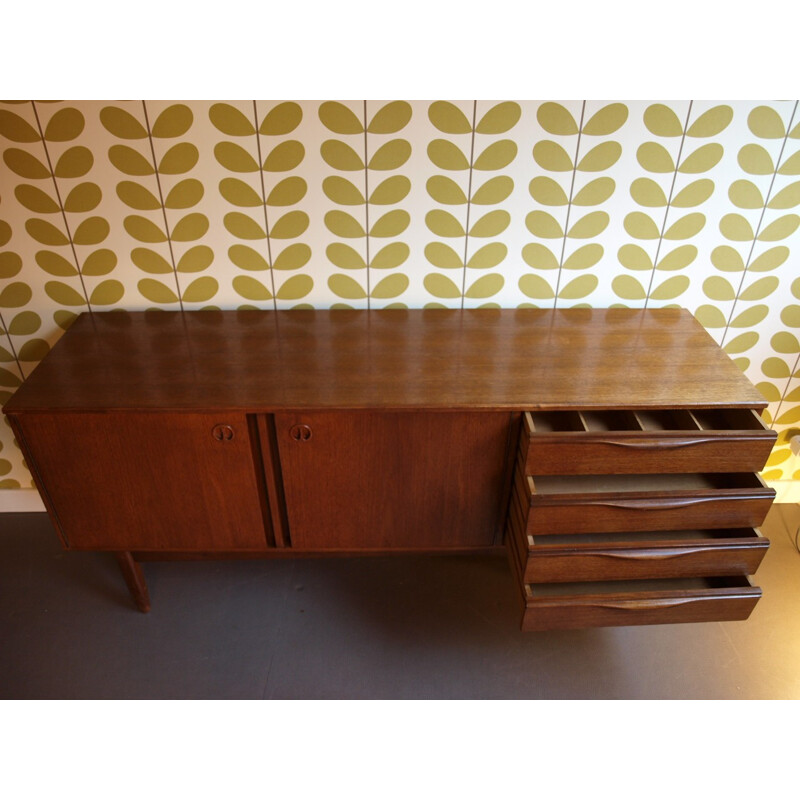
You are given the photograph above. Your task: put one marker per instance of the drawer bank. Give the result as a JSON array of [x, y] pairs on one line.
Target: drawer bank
[[613, 453]]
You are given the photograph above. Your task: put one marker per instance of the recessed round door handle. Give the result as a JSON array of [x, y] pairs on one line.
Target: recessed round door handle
[[222, 433], [300, 433]]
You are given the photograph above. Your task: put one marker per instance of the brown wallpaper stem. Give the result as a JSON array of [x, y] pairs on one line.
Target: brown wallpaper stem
[[366, 202], [264, 202], [469, 202]]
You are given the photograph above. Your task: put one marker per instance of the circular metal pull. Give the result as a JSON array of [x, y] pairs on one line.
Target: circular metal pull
[[222, 433], [300, 433]]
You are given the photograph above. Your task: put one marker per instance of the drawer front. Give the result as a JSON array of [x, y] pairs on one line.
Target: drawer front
[[739, 553], [585, 450], [593, 605]]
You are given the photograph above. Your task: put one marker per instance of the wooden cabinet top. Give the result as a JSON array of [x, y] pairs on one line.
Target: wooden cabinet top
[[390, 359]]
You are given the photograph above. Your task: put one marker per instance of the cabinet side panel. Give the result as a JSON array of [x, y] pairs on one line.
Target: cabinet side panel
[[364, 480], [149, 481]]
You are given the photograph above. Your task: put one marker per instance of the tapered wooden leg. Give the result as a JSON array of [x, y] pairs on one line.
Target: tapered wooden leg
[[134, 577]]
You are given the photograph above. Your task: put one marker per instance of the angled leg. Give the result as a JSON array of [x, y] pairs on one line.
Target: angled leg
[[134, 577]]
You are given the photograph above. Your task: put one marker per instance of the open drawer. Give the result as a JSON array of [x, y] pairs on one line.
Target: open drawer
[[585, 605], [608, 503], [623, 441], [642, 554]]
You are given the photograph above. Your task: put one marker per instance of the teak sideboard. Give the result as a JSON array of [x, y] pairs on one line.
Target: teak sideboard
[[612, 452]]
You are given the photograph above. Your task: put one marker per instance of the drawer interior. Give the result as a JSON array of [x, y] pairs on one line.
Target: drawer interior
[[643, 537], [658, 482], [736, 419], [668, 585]]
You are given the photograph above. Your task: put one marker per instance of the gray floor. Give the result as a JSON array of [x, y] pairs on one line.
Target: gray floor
[[403, 627]]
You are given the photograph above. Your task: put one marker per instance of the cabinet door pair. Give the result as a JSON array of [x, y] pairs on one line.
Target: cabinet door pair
[[351, 480]]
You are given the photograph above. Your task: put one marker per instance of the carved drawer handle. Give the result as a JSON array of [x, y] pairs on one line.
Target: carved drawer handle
[[659, 444], [655, 505], [640, 605], [300, 433], [222, 433], [654, 556]]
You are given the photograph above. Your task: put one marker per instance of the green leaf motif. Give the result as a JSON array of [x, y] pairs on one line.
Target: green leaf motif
[[595, 192], [178, 159], [344, 256], [341, 156], [16, 129], [670, 288], [230, 120], [646, 192], [391, 155], [100, 262], [391, 286], [640, 226], [391, 118], [539, 257], [766, 123], [297, 287], [281, 119], [780, 228], [239, 193], [679, 258], [710, 317], [34, 350], [741, 343], [494, 191], [63, 294], [543, 225], [785, 342], [247, 258], [579, 287], [346, 287], [535, 287], [107, 293], [235, 158], [584, 257], [83, 198], [448, 118], [26, 323], [628, 288], [500, 118], [769, 259], [200, 290], [290, 225], [548, 192], [392, 223], [491, 224], [74, 163], [292, 257], [750, 317], [445, 190], [711, 122], [760, 289], [195, 259], [129, 161], [556, 119], [497, 155], [633, 257], [695, 194], [392, 190], [486, 286], [136, 196], [589, 226], [190, 228], [343, 224], [121, 123], [15, 295], [24, 164], [791, 166], [288, 192], [286, 156], [661, 120], [45, 233], [173, 121], [446, 155], [788, 197], [55, 264], [441, 286], [601, 157], [687, 226], [10, 264], [607, 120], [727, 259], [143, 229], [551, 156], [655, 157], [442, 223], [718, 288], [443, 256], [251, 289], [92, 230], [64, 126], [242, 226], [487, 257], [702, 159], [337, 117], [736, 228], [755, 160], [150, 261], [35, 200], [185, 194], [390, 256]]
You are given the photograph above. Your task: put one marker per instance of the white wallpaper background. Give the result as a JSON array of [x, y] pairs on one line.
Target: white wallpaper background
[[280, 204]]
